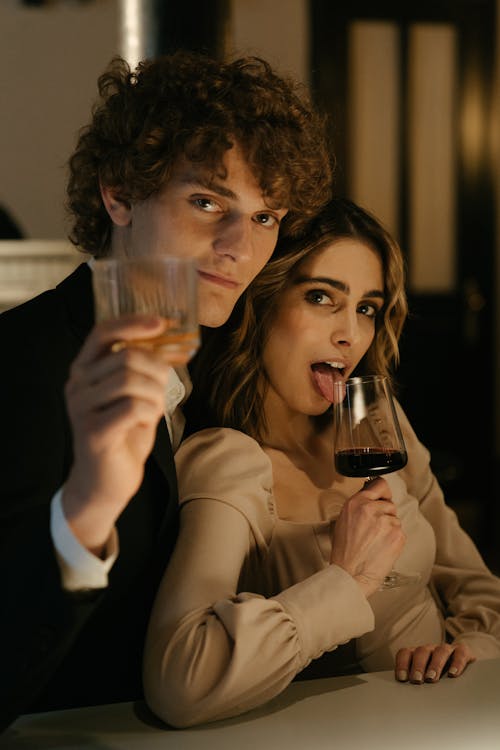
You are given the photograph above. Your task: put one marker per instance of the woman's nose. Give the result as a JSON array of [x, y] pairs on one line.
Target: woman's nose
[[346, 330]]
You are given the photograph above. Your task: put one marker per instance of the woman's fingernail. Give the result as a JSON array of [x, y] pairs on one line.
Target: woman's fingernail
[[453, 671], [417, 676], [402, 675], [430, 675]]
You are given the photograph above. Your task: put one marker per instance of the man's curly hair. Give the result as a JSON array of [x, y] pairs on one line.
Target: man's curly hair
[[186, 104]]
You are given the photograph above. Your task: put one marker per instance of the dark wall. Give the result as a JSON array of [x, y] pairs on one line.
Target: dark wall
[[191, 24]]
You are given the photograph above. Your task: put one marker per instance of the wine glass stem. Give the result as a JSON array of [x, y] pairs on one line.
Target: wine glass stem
[[394, 579]]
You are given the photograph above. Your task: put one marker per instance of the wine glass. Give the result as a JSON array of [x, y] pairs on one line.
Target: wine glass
[[159, 285], [368, 438]]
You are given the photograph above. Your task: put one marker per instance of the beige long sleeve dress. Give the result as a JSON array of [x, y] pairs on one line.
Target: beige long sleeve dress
[[249, 600]]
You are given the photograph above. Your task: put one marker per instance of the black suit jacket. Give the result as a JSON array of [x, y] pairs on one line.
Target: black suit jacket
[[60, 649]]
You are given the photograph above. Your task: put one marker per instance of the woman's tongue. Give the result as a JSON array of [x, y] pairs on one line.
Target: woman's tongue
[[325, 376]]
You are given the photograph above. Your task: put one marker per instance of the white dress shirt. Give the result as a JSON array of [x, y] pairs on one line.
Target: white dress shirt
[[80, 569]]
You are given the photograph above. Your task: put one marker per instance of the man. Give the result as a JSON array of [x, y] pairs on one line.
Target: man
[[185, 156]]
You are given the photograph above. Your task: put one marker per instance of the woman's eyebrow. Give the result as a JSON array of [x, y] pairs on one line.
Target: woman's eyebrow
[[335, 284], [340, 285]]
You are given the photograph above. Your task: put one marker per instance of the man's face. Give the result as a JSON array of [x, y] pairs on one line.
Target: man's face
[[224, 223]]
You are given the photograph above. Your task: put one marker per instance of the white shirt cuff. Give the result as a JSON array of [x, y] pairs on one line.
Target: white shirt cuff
[[80, 569]]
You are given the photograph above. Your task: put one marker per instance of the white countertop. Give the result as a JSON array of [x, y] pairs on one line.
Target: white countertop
[[363, 712]]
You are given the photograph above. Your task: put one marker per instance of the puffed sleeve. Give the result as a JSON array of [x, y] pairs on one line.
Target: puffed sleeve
[[230, 467], [466, 591], [213, 650]]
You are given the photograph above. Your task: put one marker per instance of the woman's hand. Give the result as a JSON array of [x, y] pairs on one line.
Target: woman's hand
[[427, 663], [367, 536]]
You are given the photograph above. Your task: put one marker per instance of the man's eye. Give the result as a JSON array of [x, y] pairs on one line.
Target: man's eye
[[317, 297], [206, 204], [266, 220]]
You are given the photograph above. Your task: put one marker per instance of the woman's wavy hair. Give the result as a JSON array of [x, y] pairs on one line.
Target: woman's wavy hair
[[187, 104], [229, 375]]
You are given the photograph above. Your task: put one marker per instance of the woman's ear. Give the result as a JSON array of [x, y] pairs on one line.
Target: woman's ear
[[119, 210]]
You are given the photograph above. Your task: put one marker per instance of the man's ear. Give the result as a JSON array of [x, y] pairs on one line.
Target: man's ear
[[118, 209]]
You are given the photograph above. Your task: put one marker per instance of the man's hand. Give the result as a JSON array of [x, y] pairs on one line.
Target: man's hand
[[115, 401], [427, 663]]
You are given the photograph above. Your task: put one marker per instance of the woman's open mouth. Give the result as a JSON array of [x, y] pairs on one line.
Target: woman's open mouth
[[326, 374]]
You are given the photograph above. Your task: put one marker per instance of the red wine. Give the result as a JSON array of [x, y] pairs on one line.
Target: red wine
[[367, 462]]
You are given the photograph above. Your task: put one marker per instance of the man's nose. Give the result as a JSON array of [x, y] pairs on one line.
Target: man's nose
[[233, 238]]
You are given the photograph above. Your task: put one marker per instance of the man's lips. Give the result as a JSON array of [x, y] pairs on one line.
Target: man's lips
[[215, 278]]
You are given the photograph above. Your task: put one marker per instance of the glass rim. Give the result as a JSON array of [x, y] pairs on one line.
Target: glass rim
[[358, 379]]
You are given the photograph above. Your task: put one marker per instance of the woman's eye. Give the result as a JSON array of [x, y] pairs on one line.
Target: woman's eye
[[371, 311], [317, 297], [266, 220]]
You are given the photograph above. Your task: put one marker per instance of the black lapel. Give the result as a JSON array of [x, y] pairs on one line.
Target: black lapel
[[76, 290], [164, 456], [169, 528]]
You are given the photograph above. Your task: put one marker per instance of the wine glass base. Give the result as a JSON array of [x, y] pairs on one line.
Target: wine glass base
[[395, 580]]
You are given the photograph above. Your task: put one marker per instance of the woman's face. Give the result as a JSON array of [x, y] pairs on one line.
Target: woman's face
[[325, 323]]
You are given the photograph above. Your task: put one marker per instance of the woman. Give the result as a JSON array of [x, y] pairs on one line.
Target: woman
[[262, 583]]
